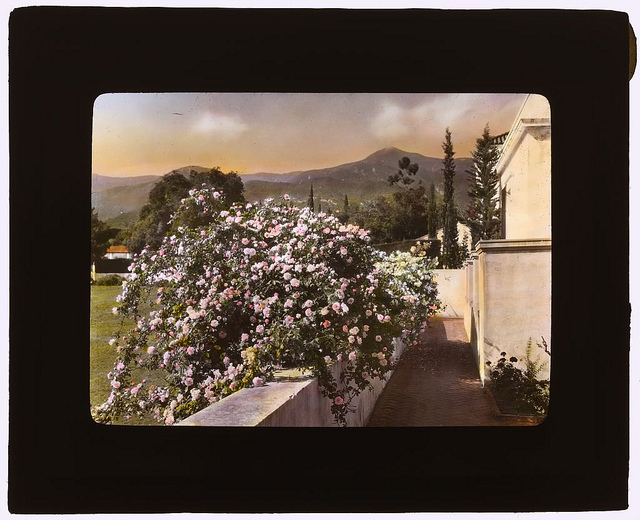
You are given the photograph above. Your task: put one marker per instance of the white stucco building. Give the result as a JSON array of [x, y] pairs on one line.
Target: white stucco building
[[508, 281]]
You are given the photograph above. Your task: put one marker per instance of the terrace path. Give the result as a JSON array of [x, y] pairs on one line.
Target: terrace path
[[436, 383]]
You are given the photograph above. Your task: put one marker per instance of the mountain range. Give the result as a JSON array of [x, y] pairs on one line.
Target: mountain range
[[118, 199]]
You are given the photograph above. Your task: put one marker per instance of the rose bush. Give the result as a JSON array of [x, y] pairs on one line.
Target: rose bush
[[241, 291]]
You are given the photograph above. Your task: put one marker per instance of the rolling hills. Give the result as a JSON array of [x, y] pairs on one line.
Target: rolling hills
[[118, 199]]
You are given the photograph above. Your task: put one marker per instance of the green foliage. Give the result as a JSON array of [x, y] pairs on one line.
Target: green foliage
[[310, 203], [100, 234], [428, 249], [112, 279], [520, 391], [165, 197], [483, 215], [451, 252], [404, 177], [432, 213], [399, 216], [256, 287]]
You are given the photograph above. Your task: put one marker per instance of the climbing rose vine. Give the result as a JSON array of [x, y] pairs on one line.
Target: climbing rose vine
[[239, 292]]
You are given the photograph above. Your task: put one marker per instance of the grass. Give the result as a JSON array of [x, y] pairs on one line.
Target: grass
[[103, 326]]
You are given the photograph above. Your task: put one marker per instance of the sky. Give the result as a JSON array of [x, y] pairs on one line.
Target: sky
[[152, 134]]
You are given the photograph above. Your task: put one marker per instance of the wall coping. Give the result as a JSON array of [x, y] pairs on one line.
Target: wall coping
[[259, 406], [247, 407], [513, 245]]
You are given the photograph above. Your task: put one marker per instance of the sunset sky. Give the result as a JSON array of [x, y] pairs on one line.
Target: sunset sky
[[151, 134]]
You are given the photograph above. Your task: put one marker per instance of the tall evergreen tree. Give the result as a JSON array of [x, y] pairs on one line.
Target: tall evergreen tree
[[483, 214], [450, 247], [346, 203], [310, 200], [319, 206], [432, 213]]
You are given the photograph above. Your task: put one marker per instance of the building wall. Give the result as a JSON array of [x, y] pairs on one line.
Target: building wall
[[525, 173], [451, 291], [509, 280]]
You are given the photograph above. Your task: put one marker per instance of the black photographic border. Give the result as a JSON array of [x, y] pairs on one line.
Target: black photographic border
[[62, 58]]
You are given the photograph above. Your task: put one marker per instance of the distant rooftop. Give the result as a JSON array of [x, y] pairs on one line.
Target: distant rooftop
[[117, 249]]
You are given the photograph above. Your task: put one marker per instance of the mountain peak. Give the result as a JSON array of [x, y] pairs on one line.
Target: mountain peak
[[389, 150]]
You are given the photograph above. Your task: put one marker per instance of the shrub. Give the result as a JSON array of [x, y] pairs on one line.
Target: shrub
[[112, 279], [519, 390], [239, 291]]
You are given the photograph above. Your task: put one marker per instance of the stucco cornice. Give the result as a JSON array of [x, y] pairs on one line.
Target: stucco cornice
[[520, 128], [513, 245]]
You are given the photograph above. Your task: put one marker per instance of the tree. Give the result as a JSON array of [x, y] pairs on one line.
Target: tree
[[164, 198], [310, 199], [404, 177], [100, 233], [450, 247], [229, 183], [346, 210], [394, 217], [483, 215], [432, 213]]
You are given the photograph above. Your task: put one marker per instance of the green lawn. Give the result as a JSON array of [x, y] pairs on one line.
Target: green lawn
[[103, 326]]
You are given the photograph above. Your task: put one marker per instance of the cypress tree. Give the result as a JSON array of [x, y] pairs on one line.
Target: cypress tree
[[483, 215], [432, 213], [310, 200], [346, 203], [450, 248]]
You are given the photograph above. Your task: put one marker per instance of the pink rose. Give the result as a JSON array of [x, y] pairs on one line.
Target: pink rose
[[338, 400]]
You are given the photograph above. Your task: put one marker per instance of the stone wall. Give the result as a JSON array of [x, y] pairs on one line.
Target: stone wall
[[288, 401]]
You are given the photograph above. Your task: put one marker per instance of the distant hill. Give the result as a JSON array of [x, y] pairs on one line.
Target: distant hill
[[118, 199], [360, 180]]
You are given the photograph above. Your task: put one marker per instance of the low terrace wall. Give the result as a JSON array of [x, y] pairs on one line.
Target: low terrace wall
[[290, 400]]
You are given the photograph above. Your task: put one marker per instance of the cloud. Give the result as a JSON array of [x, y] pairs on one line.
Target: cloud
[[391, 123], [395, 122], [220, 125]]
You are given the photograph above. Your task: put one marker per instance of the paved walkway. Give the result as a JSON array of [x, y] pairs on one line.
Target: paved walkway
[[436, 383]]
